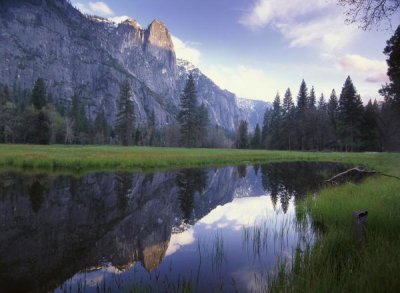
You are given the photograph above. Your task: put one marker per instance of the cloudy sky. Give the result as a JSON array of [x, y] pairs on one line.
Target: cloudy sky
[[256, 48]]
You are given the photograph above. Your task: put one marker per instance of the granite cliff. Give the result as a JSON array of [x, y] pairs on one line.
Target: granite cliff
[[90, 56]]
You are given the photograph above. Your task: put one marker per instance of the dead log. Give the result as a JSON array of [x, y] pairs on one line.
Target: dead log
[[358, 169]]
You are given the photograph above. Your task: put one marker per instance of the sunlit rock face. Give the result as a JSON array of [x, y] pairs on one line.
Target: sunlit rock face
[[91, 56]]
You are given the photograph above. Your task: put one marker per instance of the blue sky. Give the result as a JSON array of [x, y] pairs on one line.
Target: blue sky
[[256, 48]]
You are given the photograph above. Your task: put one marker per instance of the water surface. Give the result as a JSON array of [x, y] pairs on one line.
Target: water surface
[[205, 229]]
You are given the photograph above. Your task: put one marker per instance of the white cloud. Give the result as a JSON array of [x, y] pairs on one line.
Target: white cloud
[[244, 81], [374, 71], [378, 78], [98, 8], [317, 24], [266, 12], [101, 8], [357, 63], [326, 33], [184, 51]]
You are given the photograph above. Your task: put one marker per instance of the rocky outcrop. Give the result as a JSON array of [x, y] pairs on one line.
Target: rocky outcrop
[[252, 111], [90, 56]]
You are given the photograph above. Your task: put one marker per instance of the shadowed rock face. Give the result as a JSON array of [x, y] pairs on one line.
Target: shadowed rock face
[[91, 56]]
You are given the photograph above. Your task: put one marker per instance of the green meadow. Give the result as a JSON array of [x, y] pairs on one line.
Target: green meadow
[[337, 262], [59, 158]]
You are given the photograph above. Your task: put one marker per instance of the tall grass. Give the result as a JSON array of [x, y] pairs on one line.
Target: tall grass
[[58, 158], [338, 262]]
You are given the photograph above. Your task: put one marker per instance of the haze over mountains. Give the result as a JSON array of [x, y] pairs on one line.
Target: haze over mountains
[[90, 57]]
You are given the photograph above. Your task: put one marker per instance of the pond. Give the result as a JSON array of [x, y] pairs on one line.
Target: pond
[[205, 230]]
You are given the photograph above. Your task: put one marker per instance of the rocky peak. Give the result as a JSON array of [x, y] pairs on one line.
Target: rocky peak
[[157, 35], [133, 23]]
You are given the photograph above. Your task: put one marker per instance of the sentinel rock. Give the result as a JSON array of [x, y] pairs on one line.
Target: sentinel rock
[[90, 57], [159, 44]]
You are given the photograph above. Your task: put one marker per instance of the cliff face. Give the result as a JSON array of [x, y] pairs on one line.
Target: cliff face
[[90, 57]]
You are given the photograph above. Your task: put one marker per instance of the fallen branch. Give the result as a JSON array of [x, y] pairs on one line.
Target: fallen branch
[[358, 169]]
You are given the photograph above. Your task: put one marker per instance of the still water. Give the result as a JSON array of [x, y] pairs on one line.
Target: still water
[[203, 230]]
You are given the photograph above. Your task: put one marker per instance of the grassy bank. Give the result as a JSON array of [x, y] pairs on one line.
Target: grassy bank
[[338, 262], [57, 158]]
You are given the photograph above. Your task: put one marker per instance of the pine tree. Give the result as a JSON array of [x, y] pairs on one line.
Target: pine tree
[[42, 134], [351, 113], [265, 128], [256, 140], [39, 94], [301, 116], [288, 120], [390, 118], [311, 101], [321, 127], [370, 130], [124, 125], [302, 96], [275, 123], [202, 122], [187, 116], [333, 114], [392, 50], [242, 141]]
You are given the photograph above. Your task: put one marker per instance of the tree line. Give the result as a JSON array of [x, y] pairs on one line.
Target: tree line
[[340, 123]]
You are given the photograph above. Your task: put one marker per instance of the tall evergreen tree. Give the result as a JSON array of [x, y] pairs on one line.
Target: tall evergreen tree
[[351, 113], [370, 130], [302, 96], [333, 114], [39, 97], [125, 113], [321, 126], [276, 123], [202, 122], [301, 115], [311, 101], [288, 120], [265, 128], [390, 122], [310, 121], [256, 139], [187, 116], [242, 140]]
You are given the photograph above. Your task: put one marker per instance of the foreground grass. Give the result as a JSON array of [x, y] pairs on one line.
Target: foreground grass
[[57, 158], [338, 262]]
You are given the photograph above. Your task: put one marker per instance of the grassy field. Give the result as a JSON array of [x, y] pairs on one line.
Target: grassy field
[[57, 158], [336, 263]]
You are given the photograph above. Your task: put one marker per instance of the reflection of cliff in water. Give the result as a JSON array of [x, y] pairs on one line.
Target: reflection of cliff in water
[[51, 232], [53, 227]]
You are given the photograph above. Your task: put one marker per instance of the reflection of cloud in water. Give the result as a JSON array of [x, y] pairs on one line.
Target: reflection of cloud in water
[[96, 277], [238, 213], [234, 215], [180, 239]]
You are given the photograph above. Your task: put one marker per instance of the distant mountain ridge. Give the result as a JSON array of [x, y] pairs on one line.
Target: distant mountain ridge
[[90, 56]]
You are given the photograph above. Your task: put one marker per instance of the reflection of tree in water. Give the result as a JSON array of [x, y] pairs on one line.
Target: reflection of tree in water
[[284, 180], [36, 192], [256, 168], [124, 185], [189, 182], [242, 171]]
